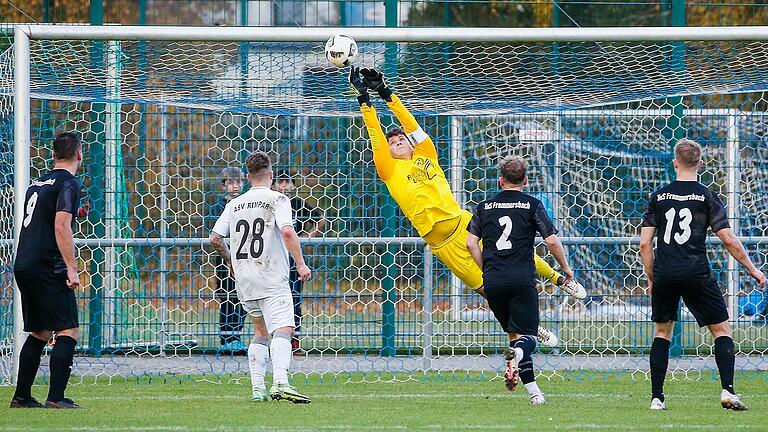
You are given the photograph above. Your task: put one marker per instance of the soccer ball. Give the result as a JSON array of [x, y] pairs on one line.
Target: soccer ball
[[341, 50]]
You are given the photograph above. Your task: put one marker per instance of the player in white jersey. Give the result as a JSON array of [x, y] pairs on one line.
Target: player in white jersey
[[259, 224]]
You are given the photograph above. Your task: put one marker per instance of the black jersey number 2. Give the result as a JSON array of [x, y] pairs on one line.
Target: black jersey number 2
[[503, 242], [685, 225], [257, 241]]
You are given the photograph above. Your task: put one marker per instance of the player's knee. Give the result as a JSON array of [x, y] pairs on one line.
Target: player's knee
[[720, 329], [664, 330], [259, 340], [74, 333], [283, 332], [43, 335]]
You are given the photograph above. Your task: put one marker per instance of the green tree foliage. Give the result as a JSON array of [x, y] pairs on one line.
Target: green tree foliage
[[473, 14]]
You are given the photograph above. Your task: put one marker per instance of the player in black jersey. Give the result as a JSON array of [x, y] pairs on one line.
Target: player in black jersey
[[46, 275], [507, 225], [679, 215]]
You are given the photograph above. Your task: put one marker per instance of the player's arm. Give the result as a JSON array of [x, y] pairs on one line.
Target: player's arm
[[548, 232], [217, 238], [647, 233], [67, 205], [555, 247], [736, 249], [284, 221], [219, 243], [66, 243], [382, 158], [474, 235], [718, 222], [473, 246], [422, 143]]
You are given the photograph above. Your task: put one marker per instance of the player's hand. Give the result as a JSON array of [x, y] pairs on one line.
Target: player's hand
[[374, 80], [356, 81], [73, 279], [650, 287], [759, 277], [305, 273], [231, 269]]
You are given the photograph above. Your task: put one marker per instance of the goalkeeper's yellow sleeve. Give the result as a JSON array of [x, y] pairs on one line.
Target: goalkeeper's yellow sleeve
[[545, 270], [422, 143], [382, 158]]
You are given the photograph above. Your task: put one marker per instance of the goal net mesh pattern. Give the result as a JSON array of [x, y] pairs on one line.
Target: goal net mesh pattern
[[597, 121]]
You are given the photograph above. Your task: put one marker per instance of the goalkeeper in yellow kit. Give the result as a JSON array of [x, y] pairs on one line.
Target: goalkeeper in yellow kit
[[406, 161]]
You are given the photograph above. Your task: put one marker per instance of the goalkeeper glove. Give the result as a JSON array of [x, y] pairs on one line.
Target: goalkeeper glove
[[375, 81], [359, 87]]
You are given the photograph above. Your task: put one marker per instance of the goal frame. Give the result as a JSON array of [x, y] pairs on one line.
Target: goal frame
[[23, 34]]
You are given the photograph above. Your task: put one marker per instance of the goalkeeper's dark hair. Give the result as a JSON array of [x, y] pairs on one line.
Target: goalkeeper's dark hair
[[258, 164], [513, 169], [66, 145], [395, 131]]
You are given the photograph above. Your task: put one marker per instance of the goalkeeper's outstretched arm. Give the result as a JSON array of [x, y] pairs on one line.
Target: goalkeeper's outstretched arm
[[382, 158], [422, 143]]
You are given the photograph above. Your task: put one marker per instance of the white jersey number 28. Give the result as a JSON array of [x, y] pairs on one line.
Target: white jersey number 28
[[256, 247]]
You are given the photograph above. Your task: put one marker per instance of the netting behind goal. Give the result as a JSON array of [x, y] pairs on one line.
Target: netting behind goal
[[161, 120]]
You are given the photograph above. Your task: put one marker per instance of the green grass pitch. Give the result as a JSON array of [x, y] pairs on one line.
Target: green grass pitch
[[605, 404]]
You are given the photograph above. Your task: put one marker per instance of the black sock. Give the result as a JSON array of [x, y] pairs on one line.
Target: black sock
[[659, 364], [725, 359], [61, 366], [29, 363], [527, 344]]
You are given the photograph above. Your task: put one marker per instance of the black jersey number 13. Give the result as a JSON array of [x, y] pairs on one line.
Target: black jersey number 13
[[684, 222], [257, 241]]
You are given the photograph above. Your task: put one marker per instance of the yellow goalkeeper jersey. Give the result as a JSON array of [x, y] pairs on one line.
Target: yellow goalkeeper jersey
[[418, 185]]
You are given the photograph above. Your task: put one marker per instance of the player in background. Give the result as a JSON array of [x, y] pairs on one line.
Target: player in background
[[678, 215], [47, 276], [309, 222], [260, 226], [406, 161], [507, 225], [231, 313]]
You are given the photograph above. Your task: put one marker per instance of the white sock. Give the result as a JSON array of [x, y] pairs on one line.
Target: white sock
[[280, 351], [257, 364], [518, 354], [533, 388]]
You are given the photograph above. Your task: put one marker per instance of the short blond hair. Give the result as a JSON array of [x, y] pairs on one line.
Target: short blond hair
[[688, 153], [513, 169]]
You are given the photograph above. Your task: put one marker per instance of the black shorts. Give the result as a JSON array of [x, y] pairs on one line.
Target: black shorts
[[702, 297], [47, 303], [516, 307]]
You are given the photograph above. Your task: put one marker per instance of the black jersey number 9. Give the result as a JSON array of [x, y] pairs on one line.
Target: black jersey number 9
[[257, 241]]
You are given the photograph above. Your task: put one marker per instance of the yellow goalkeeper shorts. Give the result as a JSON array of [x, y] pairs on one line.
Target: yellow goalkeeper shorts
[[454, 254]]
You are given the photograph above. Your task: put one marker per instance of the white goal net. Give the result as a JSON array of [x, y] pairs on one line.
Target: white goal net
[[164, 111]]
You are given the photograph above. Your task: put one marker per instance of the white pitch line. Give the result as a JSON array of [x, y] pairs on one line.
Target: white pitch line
[[477, 396]]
